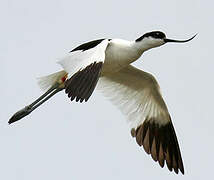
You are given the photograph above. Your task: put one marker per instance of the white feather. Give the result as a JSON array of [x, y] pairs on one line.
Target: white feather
[[136, 94], [78, 60]]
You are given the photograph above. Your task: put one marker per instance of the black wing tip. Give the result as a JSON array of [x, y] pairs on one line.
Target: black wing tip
[[81, 85], [161, 142]]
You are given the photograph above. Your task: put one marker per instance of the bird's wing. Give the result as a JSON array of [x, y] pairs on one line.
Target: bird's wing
[[83, 65], [137, 95]]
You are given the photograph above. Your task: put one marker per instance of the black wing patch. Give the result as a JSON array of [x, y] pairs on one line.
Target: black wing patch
[[82, 84], [88, 45], [161, 142]]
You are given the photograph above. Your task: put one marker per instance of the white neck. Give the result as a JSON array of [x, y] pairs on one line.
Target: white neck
[[148, 43]]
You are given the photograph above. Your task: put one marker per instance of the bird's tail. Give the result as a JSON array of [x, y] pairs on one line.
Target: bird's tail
[[46, 82]]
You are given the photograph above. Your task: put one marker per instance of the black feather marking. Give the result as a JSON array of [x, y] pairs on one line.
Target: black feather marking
[[82, 84], [154, 34], [88, 45], [71, 90], [88, 82], [92, 85], [162, 143], [79, 82], [86, 86]]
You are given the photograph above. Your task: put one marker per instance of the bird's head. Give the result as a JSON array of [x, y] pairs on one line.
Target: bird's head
[[155, 39]]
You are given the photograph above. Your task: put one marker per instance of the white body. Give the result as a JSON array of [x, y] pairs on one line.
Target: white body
[[119, 54], [135, 92], [116, 77]]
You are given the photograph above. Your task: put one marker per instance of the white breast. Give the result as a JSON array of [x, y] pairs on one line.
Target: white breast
[[119, 54]]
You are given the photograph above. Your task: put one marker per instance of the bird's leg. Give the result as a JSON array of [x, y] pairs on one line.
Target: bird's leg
[[43, 95], [57, 87], [46, 98]]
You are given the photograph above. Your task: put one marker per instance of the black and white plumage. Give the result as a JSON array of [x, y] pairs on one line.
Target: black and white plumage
[[135, 92]]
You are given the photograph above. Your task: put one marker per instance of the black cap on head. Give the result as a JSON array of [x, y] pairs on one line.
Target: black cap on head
[[154, 34]]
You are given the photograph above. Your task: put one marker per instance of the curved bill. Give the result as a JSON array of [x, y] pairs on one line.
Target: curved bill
[[178, 41]]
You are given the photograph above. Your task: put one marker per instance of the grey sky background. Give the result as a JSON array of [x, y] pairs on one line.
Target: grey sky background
[[64, 140]]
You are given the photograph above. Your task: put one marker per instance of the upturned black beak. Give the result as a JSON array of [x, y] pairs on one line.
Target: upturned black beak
[[178, 41]]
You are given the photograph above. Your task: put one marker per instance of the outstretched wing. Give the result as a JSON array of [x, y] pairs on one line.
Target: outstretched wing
[[83, 65], [137, 95]]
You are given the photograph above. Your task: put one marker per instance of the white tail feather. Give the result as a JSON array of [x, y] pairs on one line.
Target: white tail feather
[[46, 82]]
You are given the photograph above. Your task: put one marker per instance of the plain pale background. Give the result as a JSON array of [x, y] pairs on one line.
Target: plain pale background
[[64, 140]]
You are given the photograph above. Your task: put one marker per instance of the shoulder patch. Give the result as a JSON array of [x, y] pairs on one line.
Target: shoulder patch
[[88, 45]]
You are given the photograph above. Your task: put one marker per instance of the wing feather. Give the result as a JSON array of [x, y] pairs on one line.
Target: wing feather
[[81, 58], [137, 95], [83, 65]]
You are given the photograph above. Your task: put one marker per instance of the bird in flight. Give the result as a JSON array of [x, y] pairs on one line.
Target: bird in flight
[[107, 64]]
